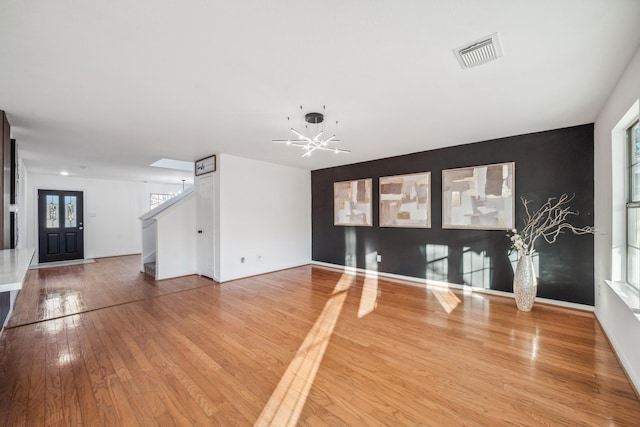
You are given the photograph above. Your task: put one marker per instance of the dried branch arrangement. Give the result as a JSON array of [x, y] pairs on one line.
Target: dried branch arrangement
[[547, 222]]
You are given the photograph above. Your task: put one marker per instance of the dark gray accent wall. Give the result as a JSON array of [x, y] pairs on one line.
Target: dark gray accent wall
[[548, 164]]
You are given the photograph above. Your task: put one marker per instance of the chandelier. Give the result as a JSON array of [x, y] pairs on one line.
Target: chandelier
[[310, 144]]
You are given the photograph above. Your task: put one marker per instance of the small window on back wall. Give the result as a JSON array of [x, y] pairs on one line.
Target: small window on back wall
[[633, 206], [156, 199]]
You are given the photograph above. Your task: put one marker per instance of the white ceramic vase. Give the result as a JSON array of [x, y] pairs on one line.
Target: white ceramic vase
[[525, 283]]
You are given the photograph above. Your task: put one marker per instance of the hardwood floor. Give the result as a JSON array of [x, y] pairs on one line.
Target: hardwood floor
[[307, 345], [60, 291]]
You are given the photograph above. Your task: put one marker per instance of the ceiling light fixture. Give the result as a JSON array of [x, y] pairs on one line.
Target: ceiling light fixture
[[311, 144]]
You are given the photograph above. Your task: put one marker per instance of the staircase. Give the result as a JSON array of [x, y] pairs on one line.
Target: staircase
[[150, 270], [169, 238]]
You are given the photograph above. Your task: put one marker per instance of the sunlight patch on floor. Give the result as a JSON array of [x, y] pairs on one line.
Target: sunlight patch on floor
[[447, 299], [369, 296], [288, 399]]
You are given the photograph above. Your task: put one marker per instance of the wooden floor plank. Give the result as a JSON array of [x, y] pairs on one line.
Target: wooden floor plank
[[67, 359], [16, 361], [87, 405], [54, 409], [97, 345]]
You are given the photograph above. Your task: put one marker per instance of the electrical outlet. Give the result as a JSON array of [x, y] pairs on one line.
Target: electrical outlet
[[379, 259]]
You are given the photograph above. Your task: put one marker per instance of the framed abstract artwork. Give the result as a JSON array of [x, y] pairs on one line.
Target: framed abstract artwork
[[352, 202], [479, 197], [405, 200]]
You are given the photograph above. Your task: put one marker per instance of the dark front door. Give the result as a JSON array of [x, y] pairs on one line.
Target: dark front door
[[60, 225]]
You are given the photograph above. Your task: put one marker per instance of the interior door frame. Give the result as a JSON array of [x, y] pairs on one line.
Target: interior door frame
[[36, 219]]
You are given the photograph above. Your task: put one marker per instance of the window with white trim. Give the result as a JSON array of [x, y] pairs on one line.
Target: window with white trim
[[633, 205], [156, 199]]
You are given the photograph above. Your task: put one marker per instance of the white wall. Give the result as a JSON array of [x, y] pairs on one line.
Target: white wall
[[176, 240], [111, 211], [264, 216], [621, 326]]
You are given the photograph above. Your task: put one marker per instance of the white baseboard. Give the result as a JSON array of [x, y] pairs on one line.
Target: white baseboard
[[415, 281]]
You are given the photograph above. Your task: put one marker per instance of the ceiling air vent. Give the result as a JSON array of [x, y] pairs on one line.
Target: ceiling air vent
[[479, 52]]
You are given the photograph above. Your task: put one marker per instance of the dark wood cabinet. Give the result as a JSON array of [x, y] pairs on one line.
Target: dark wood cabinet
[[5, 182]]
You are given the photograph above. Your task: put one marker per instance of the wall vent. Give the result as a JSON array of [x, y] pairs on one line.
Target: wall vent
[[479, 52]]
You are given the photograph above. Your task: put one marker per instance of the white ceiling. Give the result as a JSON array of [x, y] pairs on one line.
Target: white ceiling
[[103, 89]]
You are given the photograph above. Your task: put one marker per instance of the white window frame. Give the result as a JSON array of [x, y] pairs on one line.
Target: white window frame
[[621, 190], [163, 197], [632, 210]]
